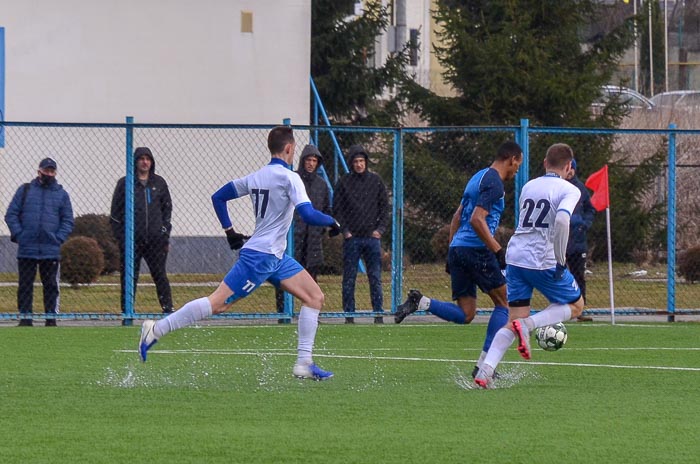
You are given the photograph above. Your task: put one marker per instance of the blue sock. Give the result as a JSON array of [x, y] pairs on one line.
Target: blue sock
[[499, 318], [447, 311]]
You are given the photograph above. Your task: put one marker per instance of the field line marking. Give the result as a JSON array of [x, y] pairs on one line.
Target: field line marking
[[402, 358]]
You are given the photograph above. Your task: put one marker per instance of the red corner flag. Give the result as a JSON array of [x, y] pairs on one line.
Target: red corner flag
[[598, 182]]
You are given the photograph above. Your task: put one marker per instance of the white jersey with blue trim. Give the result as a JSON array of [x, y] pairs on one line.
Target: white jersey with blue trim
[[532, 244], [274, 192]]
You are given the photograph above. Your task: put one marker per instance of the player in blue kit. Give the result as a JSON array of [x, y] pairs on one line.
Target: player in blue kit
[[475, 258], [275, 191], [536, 259]]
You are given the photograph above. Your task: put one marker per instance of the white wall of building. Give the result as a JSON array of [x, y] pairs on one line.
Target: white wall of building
[[157, 60], [160, 61]]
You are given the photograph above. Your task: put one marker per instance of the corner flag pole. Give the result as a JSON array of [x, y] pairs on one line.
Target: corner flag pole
[[598, 182], [610, 270]]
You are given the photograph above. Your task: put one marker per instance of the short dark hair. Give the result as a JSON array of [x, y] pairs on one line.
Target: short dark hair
[[278, 138], [507, 150], [558, 155]]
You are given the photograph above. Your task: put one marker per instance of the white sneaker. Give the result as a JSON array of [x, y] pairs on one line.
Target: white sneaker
[[148, 338], [311, 371]]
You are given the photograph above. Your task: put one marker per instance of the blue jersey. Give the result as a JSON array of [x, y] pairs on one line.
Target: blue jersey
[[484, 189]]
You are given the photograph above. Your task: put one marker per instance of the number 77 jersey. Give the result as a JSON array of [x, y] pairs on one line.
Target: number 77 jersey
[[274, 192], [531, 246]]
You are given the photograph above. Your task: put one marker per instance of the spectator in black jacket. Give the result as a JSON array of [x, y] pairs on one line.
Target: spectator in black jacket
[[577, 247], [152, 211], [361, 205], [308, 240]]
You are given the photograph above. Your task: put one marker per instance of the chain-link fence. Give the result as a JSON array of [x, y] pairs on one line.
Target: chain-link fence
[[424, 171]]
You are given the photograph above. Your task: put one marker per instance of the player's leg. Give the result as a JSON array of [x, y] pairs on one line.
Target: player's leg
[[463, 291], [251, 270], [563, 294], [498, 320], [295, 280]]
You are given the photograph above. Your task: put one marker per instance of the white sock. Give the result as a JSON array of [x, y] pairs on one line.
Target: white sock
[[551, 315], [501, 342], [424, 303], [480, 362], [306, 328], [192, 312]]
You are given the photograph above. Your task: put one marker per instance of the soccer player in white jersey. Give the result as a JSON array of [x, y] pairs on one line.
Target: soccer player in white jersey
[[536, 259], [275, 191]]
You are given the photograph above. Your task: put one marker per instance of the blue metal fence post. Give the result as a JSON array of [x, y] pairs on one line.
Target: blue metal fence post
[[2, 85], [671, 229], [128, 317], [522, 137], [288, 298], [397, 230]]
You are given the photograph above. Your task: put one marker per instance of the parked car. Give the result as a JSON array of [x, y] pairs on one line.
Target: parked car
[[630, 99], [677, 99]]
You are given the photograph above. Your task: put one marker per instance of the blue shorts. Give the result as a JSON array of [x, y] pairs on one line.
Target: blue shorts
[[473, 267], [521, 281], [253, 268]]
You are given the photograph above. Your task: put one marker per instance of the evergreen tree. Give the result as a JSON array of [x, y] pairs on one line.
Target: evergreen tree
[[343, 66]]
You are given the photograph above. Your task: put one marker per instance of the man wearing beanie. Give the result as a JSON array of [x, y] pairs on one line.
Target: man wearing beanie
[[361, 205]]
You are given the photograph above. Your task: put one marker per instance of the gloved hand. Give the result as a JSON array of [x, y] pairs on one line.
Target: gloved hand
[[559, 272], [447, 266], [235, 240], [334, 229], [501, 257]]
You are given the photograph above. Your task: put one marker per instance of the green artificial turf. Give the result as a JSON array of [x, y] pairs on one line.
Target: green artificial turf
[[401, 394]]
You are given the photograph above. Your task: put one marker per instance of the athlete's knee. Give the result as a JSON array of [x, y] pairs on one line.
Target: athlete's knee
[[469, 314], [316, 299]]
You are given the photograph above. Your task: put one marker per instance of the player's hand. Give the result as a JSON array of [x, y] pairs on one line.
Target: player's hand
[[235, 240], [501, 257], [559, 272], [447, 266], [334, 229]]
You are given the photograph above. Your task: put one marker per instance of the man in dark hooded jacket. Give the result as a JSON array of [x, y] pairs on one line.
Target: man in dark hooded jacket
[[40, 218], [152, 211], [577, 246], [361, 206], [308, 240]]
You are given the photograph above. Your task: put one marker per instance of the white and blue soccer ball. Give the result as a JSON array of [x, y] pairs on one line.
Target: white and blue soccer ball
[[551, 337]]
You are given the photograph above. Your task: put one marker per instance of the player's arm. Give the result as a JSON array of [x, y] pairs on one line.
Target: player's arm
[[314, 217], [219, 200], [561, 224], [561, 236], [478, 223], [454, 224]]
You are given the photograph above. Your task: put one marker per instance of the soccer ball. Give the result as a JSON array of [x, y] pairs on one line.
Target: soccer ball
[[551, 337]]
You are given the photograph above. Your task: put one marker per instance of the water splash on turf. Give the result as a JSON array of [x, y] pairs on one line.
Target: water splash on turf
[[509, 376]]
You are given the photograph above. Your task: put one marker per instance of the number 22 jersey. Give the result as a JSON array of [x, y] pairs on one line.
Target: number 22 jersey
[[532, 244]]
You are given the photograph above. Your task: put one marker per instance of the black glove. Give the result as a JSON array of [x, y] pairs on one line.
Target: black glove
[[559, 272], [447, 265], [235, 240], [501, 257], [334, 229]]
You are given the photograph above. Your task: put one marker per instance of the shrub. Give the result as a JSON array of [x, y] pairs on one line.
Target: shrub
[[332, 255], [97, 226], [689, 264], [81, 260]]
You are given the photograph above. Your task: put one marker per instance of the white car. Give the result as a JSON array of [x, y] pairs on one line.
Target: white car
[[677, 99], [630, 99]]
